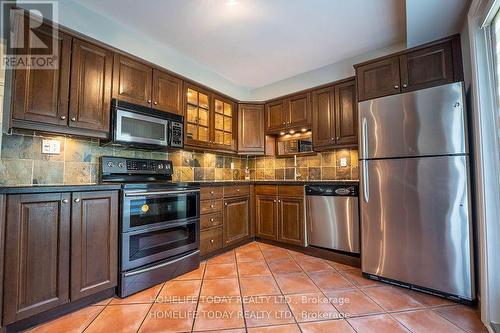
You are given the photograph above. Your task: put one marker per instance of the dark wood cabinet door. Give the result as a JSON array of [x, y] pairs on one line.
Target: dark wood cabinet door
[[427, 67], [291, 220], [346, 113], [266, 215], [323, 118], [132, 81], [41, 95], [90, 96], [37, 268], [224, 124], [299, 111], [236, 220], [94, 242], [167, 92], [198, 115], [251, 131], [378, 79], [275, 116]]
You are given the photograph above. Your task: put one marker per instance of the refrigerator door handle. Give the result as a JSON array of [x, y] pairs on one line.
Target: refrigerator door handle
[[364, 138], [366, 188]]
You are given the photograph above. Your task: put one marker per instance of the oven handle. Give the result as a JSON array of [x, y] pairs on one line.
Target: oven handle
[[140, 194], [160, 265]]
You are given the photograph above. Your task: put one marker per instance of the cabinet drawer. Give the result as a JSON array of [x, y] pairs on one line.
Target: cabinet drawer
[[236, 191], [210, 220], [211, 192], [210, 206], [291, 190], [266, 189], [210, 240]]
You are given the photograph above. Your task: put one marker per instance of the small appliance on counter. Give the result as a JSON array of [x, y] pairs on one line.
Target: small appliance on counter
[[144, 127], [159, 223]]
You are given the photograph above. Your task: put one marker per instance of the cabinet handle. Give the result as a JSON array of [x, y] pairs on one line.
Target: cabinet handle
[[149, 101], [338, 138], [212, 206], [77, 200], [237, 190], [63, 117], [225, 203], [333, 139], [212, 241], [279, 200], [396, 87], [274, 200], [211, 220], [155, 103], [73, 119], [64, 200], [405, 85], [211, 192]]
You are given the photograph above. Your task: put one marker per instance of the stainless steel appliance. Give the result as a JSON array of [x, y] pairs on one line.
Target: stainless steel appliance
[[332, 217], [139, 126], [415, 190], [160, 222]]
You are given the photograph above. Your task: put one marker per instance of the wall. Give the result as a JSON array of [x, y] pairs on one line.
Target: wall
[[22, 163]]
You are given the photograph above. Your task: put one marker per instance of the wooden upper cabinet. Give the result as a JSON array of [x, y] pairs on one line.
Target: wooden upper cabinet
[[266, 216], [323, 115], [94, 242], [224, 124], [291, 220], [37, 267], [90, 96], [427, 67], [41, 95], [378, 79], [346, 113], [299, 110], [251, 131], [198, 117], [236, 220], [275, 116], [167, 92], [132, 81]]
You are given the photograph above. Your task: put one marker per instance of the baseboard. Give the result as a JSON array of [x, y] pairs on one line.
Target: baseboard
[[495, 327]]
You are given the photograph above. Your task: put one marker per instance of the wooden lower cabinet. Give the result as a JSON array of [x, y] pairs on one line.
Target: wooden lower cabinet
[[236, 219], [210, 240], [44, 232], [291, 220], [266, 214], [94, 242]]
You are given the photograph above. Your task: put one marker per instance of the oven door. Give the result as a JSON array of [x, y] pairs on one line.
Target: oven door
[[144, 209], [136, 128], [145, 246]]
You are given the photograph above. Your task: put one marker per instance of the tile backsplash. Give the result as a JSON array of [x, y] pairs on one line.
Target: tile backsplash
[[22, 163]]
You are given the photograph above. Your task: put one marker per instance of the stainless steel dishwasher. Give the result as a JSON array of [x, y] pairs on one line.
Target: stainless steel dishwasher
[[332, 217]]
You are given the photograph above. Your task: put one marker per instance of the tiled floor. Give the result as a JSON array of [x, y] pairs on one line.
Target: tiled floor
[[263, 288]]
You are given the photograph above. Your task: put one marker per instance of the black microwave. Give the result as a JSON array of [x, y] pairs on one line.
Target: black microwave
[[143, 127]]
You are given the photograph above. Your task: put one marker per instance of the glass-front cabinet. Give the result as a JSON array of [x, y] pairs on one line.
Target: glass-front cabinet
[[210, 120]]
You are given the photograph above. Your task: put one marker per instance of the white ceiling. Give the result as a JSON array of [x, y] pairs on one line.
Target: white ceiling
[[254, 43]]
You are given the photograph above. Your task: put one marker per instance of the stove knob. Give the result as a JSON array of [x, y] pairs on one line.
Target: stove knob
[[160, 166], [110, 164], [120, 165]]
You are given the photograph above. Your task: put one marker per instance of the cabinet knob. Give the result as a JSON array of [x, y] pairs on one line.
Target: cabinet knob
[[63, 117], [211, 192], [338, 138], [333, 139], [212, 206], [279, 200], [396, 87], [155, 103], [237, 190], [405, 85], [77, 200], [73, 119], [225, 203], [211, 220], [212, 241], [284, 123], [274, 200], [149, 101], [65, 201]]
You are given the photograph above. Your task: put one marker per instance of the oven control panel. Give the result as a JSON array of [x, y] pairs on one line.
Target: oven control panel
[[134, 166]]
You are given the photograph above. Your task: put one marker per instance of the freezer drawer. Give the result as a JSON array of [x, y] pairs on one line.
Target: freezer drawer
[[415, 217], [419, 123]]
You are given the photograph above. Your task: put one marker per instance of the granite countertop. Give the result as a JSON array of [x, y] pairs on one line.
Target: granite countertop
[[274, 182]]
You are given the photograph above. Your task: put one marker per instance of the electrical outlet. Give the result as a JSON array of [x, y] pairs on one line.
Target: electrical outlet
[[52, 147], [232, 165], [343, 161]]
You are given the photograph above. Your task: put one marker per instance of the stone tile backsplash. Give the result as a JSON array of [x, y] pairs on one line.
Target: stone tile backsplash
[[22, 163]]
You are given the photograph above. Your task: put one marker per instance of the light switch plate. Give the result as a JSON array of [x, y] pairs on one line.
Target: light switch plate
[[232, 165], [52, 147], [343, 162]]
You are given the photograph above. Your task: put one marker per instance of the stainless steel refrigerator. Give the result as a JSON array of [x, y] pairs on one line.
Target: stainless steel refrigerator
[[415, 191]]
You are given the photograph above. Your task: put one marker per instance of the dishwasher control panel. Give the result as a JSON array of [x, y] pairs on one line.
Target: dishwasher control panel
[[350, 190]]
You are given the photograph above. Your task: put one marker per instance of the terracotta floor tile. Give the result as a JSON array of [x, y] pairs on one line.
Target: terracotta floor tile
[[225, 258], [393, 298], [259, 285], [425, 321], [250, 247], [352, 303], [145, 296], [104, 302], [377, 324], [314, 265], [295, 283], [119, 318], [334, 326], [464, 317], [257, 268], [330, 280], [212, 315], [339, 266], [265, 246], [356, 277], [222, 271], [299, 255], [289, 328], [179, 291], [169, 317], [74, 322], [236, 330], [197, 274], [266, 311], [312, 307], [249, 256], [284, 266], [428, 299], [220, 287], [275, 254]]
